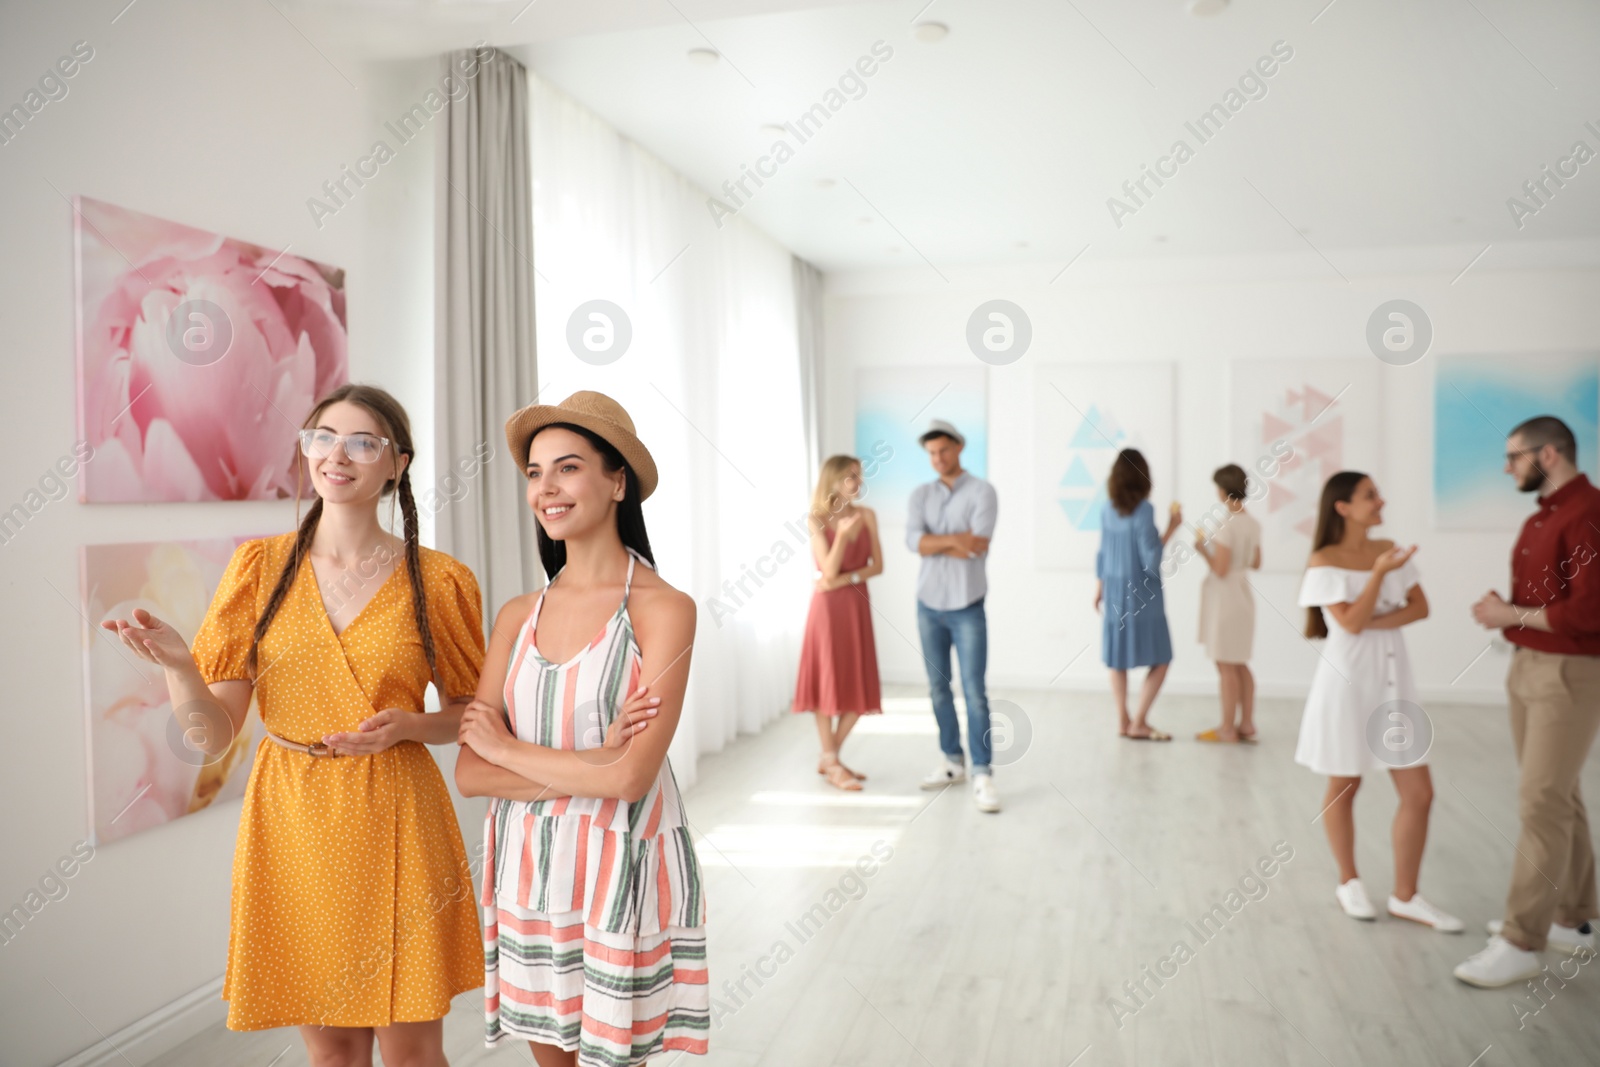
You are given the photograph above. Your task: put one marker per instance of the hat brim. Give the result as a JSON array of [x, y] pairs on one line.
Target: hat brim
[[521, 427]]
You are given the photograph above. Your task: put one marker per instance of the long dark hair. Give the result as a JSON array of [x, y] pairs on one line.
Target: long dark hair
[[1330, 530], [1129, 482], [630, 511], [391, 418]]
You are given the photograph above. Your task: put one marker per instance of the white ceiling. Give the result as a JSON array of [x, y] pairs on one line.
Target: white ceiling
[[1392, 125]]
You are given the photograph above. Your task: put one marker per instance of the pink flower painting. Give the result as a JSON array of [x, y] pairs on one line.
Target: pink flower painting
[[198, 355], [143, 769]]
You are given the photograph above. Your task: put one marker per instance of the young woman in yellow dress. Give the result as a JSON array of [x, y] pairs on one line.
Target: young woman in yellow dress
[[352, 914]]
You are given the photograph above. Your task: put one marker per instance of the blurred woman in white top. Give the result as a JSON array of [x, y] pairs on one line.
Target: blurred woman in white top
[[1362, 713]]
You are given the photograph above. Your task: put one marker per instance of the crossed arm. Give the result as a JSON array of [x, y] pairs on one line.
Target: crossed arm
[[495, 763]]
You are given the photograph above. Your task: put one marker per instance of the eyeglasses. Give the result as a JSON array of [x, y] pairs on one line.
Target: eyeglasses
[[360, 447], [1511, 457]]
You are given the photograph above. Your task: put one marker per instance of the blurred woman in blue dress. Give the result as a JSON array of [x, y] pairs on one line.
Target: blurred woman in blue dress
[[1128, 567]]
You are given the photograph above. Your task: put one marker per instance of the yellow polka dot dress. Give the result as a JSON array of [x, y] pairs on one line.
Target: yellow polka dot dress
[[352, 898]]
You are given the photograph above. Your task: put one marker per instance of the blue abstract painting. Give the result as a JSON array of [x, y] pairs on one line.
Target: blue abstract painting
[[893, 408], [1477, 400]]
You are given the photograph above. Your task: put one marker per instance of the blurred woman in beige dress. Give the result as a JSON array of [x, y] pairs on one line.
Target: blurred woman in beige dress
[[1228, 607]]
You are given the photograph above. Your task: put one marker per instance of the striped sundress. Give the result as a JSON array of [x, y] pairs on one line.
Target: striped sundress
[[594, 916]]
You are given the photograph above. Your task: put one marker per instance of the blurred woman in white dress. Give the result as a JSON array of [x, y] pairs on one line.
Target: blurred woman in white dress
[[1362, 713], [1228, 606]]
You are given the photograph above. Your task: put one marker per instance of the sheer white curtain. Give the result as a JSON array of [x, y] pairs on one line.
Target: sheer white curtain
[[711, 377]]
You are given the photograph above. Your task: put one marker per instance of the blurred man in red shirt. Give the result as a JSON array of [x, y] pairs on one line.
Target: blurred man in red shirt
[[1553, 618]]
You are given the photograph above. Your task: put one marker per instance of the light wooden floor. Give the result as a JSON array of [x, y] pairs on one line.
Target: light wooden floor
[[997, 939]]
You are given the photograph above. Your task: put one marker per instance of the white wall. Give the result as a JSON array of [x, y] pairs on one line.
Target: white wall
[[227, 119], [1201, 316]]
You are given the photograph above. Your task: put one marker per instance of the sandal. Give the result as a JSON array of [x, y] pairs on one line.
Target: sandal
[[840, 778], [1213, 735], [1153, 735], [822, 768]]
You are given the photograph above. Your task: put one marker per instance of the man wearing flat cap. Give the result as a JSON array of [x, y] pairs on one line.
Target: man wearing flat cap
[[949, 523]]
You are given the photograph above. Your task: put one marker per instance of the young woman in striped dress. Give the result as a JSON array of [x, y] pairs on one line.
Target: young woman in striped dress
[[593, 901]]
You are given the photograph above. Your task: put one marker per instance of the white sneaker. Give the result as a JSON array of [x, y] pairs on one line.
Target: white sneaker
[[1579, 942], [1352, 898], [1420, 911], [1499, 963], [949, 773], [983, 793]]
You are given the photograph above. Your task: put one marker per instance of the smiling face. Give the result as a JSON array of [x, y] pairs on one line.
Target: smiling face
[[1365, 506], [336, 477], [569, 488], [945, 455]]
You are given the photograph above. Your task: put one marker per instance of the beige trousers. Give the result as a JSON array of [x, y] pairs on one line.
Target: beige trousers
[[1555, 713]]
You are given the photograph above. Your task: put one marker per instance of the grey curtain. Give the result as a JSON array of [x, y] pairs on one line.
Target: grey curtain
[[808, 324], [484, 358]]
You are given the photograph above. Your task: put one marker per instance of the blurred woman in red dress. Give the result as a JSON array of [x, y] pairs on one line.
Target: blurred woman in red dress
[[838, 678]]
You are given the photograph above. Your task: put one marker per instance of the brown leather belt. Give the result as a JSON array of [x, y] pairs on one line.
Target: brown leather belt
[[316, 748]]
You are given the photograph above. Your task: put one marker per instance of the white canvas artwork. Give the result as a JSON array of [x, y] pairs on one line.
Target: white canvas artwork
[[1330, 412], [1084, 414]]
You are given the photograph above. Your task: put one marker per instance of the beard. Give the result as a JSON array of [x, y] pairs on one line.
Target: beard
[[1531, 481]]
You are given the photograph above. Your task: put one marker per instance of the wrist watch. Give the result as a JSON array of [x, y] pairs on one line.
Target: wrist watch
[[855, 577]]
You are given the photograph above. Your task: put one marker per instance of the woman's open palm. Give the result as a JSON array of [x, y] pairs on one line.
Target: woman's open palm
[[151, 639]]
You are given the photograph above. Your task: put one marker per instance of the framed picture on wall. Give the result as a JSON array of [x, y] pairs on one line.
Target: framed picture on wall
[[894, 406], [1477, 400], [1084, 414], [198, 355], [1327, 414], [142, 770]]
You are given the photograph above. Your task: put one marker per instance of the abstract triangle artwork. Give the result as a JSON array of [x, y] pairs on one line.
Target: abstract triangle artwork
[[1273, 428], [1296, 423], [1097, 431], [1077, 476]]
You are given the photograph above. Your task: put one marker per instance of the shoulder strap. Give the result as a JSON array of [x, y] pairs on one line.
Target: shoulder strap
[[627, 583]]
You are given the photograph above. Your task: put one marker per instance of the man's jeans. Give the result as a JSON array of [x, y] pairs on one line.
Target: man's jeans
[[968, 630]]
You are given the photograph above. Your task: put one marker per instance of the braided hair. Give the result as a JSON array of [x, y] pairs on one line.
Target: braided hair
[[391, 417]]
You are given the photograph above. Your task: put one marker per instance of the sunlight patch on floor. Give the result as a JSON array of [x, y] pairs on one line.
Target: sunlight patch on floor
[[838, 800], [791, 845]]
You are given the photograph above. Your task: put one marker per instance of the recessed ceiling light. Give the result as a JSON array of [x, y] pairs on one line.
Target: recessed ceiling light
[[703, 57], [929, 32], [773, 129], [826, 183], [1206, 8]]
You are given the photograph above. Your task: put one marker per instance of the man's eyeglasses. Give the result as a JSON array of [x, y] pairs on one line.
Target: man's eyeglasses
[[1511, 457], [360, 447]]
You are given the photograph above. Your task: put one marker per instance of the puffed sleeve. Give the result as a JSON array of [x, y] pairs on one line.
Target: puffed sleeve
[[221, 646], [1324, 585], [455, 615]]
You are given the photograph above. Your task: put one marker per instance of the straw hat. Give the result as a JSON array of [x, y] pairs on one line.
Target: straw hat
[[596, 413]]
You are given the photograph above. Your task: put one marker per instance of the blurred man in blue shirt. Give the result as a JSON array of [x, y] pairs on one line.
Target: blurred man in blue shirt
[[949, 523]]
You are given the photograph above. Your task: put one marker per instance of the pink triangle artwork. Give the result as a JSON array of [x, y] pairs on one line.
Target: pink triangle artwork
[[1317, 434]]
